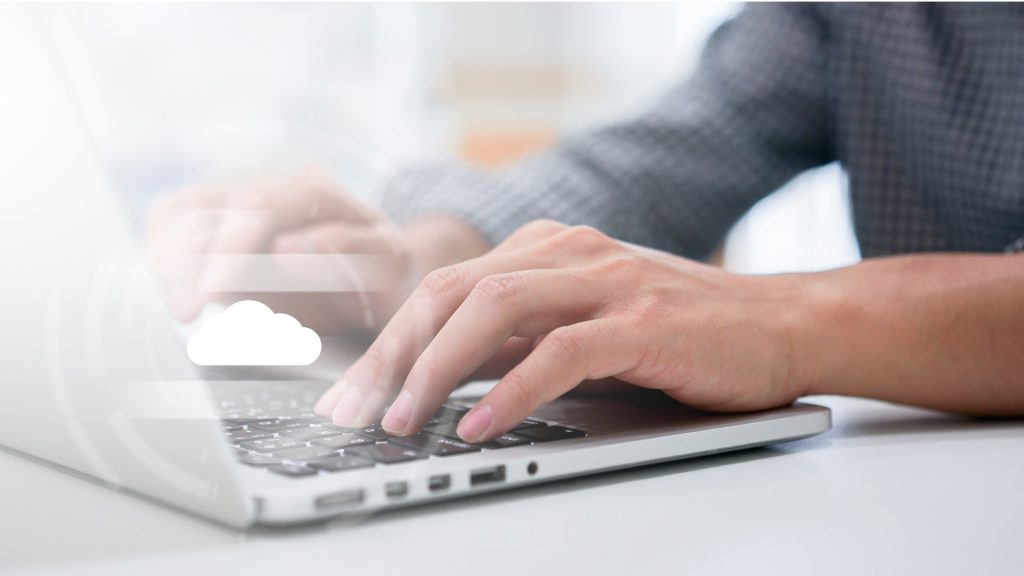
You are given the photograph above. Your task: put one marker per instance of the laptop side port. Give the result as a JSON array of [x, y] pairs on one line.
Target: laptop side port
[[339, 499], [490, 475], [396, 489], [439, 482]]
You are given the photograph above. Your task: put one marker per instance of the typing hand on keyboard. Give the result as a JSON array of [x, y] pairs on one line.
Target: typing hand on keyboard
[[301, 444], [568, 304], [308, 446]]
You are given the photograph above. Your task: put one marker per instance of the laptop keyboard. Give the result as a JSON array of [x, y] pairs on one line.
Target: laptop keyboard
[[272, 425]]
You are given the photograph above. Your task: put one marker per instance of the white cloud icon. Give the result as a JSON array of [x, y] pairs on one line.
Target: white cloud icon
[[248, 333]]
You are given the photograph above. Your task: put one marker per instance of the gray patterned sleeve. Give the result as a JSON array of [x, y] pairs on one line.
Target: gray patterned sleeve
[[754, 114]]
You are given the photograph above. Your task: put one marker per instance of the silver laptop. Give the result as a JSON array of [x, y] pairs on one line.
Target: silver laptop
[[96, 378]]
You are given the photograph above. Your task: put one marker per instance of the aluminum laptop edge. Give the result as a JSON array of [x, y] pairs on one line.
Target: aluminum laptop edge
[[96, 378]]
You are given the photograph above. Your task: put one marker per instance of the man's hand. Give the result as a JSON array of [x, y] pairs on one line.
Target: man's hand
[[554, 306], [566, 304], [305, 213]]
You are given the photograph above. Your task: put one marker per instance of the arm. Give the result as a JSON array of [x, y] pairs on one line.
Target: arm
[[941, 331], [676, 178]]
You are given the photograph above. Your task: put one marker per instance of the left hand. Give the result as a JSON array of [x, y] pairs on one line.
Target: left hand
[[561, 305]]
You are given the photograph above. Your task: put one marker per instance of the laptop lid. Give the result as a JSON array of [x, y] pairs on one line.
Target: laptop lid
[[95, 377]]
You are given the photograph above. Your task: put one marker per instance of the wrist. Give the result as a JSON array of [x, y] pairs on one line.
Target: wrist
[[823, 312]]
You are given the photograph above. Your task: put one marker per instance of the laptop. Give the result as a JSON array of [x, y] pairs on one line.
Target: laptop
[[97, 380]]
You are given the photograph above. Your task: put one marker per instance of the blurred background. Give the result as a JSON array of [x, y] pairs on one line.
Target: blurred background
[[176, 93]]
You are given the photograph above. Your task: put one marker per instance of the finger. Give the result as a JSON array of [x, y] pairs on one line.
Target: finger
[[566, 357], [511, 353], [182, 266], [244, 228], [167, 210], [178, 228], [387, 361], [253, 213], [330, 398], [377, 286], [524, 303]]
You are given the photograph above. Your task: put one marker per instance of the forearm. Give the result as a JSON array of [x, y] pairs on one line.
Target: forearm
[[941, 331]]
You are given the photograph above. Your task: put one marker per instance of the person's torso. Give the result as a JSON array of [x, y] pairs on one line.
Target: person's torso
[[929, 123]]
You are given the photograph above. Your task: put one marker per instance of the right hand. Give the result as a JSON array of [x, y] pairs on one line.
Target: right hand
[[303, 213]]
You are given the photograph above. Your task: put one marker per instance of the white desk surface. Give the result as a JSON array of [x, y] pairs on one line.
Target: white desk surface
[[889, 490]]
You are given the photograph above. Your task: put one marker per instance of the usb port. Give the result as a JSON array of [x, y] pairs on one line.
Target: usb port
[[439, 482], [487, 476], [396, 489], [339, 499]]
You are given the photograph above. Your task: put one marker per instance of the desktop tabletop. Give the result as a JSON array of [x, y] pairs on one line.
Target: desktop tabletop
[[888, 490]]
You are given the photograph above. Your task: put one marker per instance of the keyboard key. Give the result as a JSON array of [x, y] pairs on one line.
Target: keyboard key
[[507, 440], [446, 429], [449, 413], [296, 414], [304, 453], [292, 470], [436, 445], [342, 440], [550, 433], [385, 453], [375, 433], [528, 423], [278, 425], [238, 421], [250, 459], [236, 436], [340, 463], [309, 432], [268, 445]]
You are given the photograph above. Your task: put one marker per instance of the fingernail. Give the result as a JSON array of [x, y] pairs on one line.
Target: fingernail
[[348, 406], [474, 425], [399, 414], [325, 405]]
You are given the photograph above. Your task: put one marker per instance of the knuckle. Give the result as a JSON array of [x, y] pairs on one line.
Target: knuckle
[[581, 239], [646, 307], [619, 264], [499, 288], [442, 281], [586, 234], [566, 343], [541, 227], [655, 364], [373, 359], [534, 231]]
